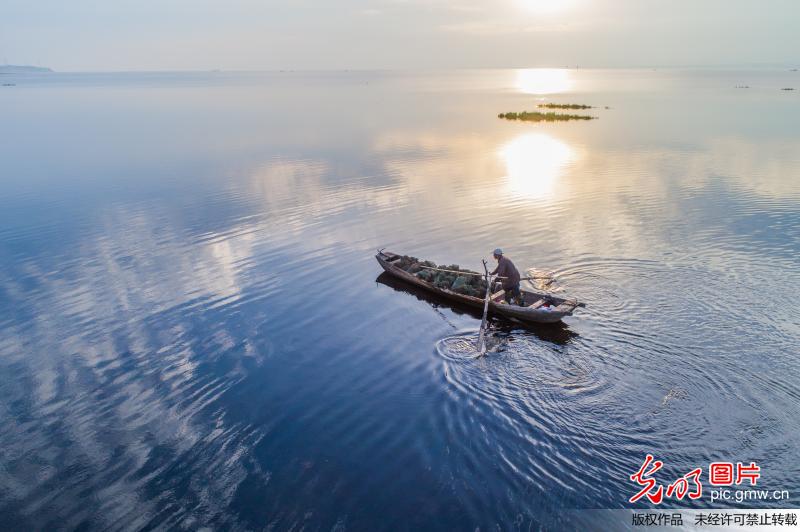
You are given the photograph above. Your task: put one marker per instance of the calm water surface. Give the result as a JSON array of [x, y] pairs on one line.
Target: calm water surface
[[194, 333]]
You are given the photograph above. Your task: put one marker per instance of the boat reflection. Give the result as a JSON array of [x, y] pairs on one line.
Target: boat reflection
[[544, 80], [558, 333], [534, 162]]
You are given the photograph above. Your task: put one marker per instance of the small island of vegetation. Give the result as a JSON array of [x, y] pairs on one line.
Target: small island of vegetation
[[564, 106], [536, 116]]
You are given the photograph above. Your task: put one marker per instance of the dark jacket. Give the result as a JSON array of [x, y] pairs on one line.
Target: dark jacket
[[505, 268]]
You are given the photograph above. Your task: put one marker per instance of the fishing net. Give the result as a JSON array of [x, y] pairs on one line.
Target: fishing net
[[470, 285], [460, 282]]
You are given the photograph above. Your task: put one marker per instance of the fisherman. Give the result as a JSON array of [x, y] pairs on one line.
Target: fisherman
[[508, 274]]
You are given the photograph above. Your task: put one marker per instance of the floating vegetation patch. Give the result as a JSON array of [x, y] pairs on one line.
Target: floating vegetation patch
[[536, 116], [674, 394], [564, 106]]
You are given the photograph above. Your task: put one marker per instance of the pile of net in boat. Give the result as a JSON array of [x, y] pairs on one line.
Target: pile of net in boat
[[458, 280]]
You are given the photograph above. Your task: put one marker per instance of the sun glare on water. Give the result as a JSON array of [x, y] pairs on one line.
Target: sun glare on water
[[534, 161], [543, 80]]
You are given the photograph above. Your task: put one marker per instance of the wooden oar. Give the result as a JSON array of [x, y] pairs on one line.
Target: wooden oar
[[482, 334]]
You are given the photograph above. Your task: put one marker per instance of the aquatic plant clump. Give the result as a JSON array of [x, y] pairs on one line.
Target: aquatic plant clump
[[536, 116], [468, 284], [564, 106]]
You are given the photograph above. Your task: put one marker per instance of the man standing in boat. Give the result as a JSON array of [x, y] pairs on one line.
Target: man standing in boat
[[509, 276]]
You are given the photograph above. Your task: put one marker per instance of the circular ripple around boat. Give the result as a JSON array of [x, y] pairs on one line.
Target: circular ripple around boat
[[464, 346], [458, 347], [542, 395], [521, 366]]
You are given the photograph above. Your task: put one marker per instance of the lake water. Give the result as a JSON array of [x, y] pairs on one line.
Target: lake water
[[194, 333]]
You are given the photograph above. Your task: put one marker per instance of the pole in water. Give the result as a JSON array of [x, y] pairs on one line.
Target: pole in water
[[482, 334]]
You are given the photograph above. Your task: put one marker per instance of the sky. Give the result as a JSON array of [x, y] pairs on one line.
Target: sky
[[116, 35]]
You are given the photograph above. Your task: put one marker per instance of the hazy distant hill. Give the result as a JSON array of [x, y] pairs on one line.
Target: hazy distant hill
[[22, 69]]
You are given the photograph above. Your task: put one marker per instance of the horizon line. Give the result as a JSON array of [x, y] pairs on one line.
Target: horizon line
[[789, 66]]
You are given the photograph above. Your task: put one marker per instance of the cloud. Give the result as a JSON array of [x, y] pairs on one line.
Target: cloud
[[304, 34], [488, 29]]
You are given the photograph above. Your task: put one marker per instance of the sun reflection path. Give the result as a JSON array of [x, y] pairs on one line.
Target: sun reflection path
[[544, 80], [534, 162]]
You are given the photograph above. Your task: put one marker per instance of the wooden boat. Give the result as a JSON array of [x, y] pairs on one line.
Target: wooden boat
[[535, 312]]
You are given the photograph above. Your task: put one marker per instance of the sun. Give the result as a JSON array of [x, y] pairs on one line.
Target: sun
[[545, 7]]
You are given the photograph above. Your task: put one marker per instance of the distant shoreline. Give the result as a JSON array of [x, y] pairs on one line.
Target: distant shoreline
[[23, 69]]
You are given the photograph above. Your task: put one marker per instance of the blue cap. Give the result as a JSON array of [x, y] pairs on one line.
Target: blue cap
[[498, 251]]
